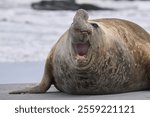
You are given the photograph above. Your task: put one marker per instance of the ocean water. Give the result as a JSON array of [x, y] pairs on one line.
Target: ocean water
[[28, 35]]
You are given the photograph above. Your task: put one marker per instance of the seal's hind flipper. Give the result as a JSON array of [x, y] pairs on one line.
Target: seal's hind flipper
[[36, 89], [44, 84]]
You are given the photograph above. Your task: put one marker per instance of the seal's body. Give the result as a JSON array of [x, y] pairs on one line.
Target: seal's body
[[98, 57]]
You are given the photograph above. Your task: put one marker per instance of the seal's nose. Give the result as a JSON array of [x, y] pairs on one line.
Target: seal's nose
[[84, 35]]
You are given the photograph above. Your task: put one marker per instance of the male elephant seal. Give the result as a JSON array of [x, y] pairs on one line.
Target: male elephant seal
[[102, 56]]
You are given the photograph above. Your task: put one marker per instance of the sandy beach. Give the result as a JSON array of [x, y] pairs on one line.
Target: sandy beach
[[54, 94]]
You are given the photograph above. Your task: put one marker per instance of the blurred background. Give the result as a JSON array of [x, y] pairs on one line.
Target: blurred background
[[29, 28]]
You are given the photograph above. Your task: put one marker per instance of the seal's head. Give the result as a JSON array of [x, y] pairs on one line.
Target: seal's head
[[83, 35]]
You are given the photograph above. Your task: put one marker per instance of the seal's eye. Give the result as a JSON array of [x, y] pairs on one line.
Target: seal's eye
[[94, 25]]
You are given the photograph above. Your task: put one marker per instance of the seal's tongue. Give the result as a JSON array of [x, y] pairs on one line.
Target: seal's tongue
[[81, 48]]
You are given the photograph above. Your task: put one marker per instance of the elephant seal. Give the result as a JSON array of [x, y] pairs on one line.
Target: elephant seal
[[102, 56]]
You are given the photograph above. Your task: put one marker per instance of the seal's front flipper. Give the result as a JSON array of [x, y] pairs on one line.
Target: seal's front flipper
[[44, 84], [36, 89]]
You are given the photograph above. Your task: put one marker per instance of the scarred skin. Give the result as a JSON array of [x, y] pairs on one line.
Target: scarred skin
[[102, 56]]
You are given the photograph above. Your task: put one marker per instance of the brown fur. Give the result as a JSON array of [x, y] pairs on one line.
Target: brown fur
[[118, 61]]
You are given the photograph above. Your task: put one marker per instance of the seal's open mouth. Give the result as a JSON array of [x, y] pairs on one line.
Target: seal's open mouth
[[81, 48]]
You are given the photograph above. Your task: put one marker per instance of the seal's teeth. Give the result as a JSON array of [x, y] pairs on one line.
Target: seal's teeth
[[85, 32]]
